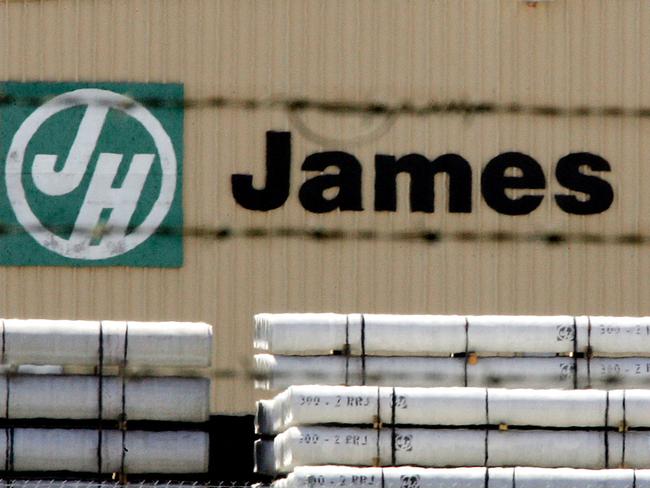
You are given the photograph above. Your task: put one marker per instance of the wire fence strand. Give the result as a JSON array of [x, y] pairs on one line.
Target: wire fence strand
[[372, 108], [369, 108], [429, 236], [71, 483]]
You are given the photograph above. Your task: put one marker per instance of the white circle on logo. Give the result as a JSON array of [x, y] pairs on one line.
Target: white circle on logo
[[110, 245]]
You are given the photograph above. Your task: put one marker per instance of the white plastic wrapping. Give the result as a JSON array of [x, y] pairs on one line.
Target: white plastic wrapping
[[608, 373], [76, 450], [436, 335], [396, 477], [286, 332], [264, 457], [304, 334], [77, 397], [33, 369], [411, 477], [618, 335], [300, 446], [278, 372], [182, 344], [53, 450], [157, 452], [370, 405], [527, 372], [525, 334], [551, 449], [176, 344]]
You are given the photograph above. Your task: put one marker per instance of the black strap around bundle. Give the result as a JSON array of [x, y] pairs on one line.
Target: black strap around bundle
[[123, 419], [487, 424], [606, 430], [9, 452], [100, 396], [363, 350], [4, 342], [575, 354], [624, 433], [378, 427], [346, 350], [466, 350], [588, 352], [393, 431]]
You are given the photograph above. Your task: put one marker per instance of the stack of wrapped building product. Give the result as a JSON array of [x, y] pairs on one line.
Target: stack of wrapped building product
[[447, 400], [112, 419]]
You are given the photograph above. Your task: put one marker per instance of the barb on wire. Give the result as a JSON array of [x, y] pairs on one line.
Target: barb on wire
[[412, 108], [429, 236]]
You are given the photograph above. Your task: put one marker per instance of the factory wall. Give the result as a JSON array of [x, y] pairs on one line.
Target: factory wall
[[354, 80]]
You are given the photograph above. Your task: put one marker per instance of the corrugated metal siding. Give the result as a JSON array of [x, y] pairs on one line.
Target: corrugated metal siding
[[565, 52]]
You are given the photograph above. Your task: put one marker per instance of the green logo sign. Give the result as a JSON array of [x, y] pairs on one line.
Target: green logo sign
[[91, 174]]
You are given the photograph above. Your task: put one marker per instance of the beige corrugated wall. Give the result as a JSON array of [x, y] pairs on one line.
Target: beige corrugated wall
[[563, 53]]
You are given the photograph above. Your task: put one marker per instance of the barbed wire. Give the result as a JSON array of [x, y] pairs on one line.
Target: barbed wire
[[72, 483], [293, 105], [429, 236], [413, 108], [389, 111], [248, 372]]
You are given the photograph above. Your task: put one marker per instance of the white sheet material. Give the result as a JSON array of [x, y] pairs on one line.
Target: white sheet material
[[410, 477], [32, 369], [294, 332], [275, 372], [264, 457], [175, 344], [525, 334], [76, 450], [368, 405], [435, 335], [618, 335], [377, 334], [77, 397], [607, 373], [278, 372], [300, 446], [402, 477]]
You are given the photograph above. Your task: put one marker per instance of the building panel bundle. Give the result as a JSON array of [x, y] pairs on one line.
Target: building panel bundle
[[454, 391], [437, 351], [94, 423], [85, 451], [82, 397], [442, 335], [369, 405], [278, 372], [353, 446], [477, 477], [106, 343]]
